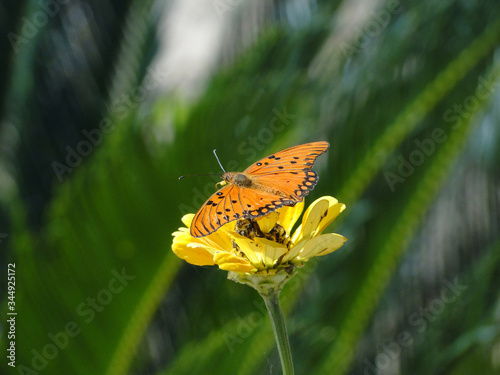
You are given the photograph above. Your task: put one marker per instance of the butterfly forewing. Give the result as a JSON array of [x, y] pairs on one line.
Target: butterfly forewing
[[230, 203], [291, 159], [289, 170], [213, 214], [281, 179]]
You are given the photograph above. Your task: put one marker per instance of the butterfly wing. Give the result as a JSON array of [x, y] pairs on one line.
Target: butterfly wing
[[281, 179], [289, 171], [231, 203]]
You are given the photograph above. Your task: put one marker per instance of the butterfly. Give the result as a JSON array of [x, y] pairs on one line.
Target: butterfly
[[281, 179]]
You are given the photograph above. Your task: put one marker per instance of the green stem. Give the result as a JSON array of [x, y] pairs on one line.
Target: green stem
[[273, 306]]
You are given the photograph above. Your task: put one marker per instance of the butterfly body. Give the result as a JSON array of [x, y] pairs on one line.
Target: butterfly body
[[239, 179], [247, 181], [281, 179]]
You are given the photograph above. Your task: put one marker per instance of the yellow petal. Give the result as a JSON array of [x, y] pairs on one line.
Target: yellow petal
[[268, 222], [289, 215], [261, 252], [295, 250], [311, 219], [231, 262], [187, 219], [219, 239], [199, 251], [321, 245], [247, 246], [333, 211], [179, 232], [271, 251], [317, 217], [197, 255]]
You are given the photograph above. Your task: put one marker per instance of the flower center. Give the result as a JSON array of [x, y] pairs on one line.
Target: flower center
[[250, 228]]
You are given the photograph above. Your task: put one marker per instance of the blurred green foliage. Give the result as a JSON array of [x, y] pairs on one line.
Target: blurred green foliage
[[93, 143]]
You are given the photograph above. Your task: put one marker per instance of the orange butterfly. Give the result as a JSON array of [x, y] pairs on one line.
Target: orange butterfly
[[281, 179]]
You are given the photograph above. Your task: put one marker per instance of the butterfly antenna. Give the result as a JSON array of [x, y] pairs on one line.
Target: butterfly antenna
[[215, 153], [197, 175], [206, 174]]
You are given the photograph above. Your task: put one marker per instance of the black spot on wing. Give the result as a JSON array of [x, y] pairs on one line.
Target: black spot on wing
[[307, 184]]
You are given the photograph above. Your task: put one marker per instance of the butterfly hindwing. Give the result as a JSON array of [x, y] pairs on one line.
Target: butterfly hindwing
[[295, 185], [259, 203]]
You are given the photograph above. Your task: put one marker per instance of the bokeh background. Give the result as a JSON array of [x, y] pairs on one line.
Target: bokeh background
[[103, 104]]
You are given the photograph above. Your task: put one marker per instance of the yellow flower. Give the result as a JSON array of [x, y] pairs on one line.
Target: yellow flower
[[264, 246]]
